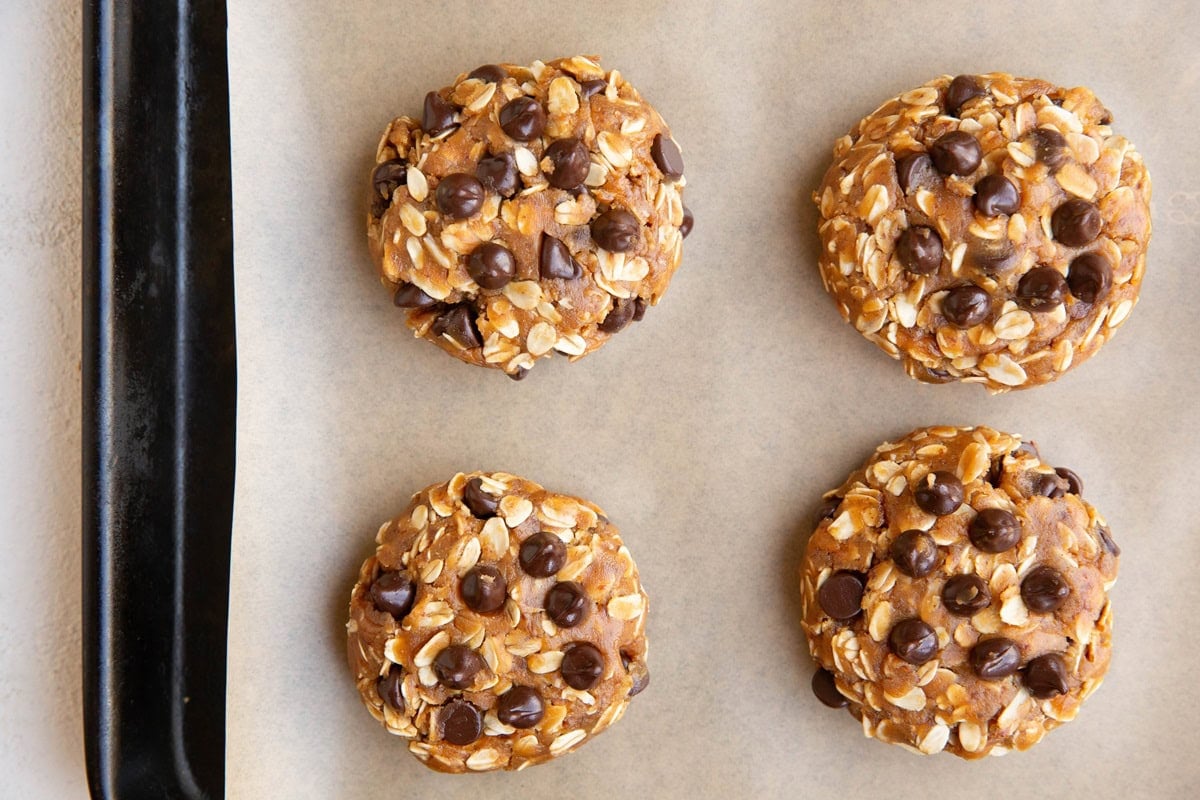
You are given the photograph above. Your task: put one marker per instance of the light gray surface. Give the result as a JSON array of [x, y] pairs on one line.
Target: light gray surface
[[41, 732], [707, 431]]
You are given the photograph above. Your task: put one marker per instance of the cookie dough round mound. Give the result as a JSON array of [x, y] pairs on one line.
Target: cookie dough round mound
[[531, 210], [955, 593], [987, 229], [498, 624]]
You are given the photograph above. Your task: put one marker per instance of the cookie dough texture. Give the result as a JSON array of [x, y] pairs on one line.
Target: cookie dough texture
[[987, 229], [532, 210], [974, 627], [498, 624]]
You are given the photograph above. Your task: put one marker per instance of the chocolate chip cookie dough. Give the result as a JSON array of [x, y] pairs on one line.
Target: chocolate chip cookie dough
[[531, 210], [986, 228], [498, 624], [955, 594]]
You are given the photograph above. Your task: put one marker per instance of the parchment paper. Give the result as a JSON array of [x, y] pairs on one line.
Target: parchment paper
[[707, 431]]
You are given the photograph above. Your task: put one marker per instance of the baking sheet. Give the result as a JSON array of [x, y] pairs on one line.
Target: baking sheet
[[709, 430]]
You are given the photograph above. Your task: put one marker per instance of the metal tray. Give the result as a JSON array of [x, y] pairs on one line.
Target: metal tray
[[159, 396]]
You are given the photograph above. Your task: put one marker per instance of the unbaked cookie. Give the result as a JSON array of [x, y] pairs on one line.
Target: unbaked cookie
[[987, 229], [531, 210], [955, 594], [498, 625]]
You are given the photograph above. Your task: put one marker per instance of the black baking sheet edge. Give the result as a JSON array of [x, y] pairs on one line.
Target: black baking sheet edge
[[159, 394]]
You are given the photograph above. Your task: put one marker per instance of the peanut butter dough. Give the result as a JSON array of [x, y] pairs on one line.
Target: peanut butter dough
[[955, 594], [498, 625], [987, 229], [531, 210]]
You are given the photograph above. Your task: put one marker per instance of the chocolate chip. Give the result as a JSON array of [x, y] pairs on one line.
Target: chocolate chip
[[962, 89], [618, 317], [1041, 289], [555, 260], [914, 171], [478, 502], [1044, 589], [438, 116], [964, 306], [689, 220], [589, 88], [459, 195], [489, 73], [492, 265], [1074, 482], [914, 553], [461, 722], [1050, 486], [483, 589], [827, 509], [570, 161], [666, 155], [582, 665], [1075, 223], [379, 206], [994, 530], [1089, 277], [996, 195], [920, 250], [939, 493], [542, 554], [388, 176], [566, 604], [1051, 147], [965, 595], [996, 471], [520, 707], [458, 323], [993, 659], [616, 230], [523, 119], [456, 666], [641, 675], [639, 309], [518, 374], [956, 153], [409, 296], [1106, 537], [914, 641], [991, 256], [499, 173], [389, 688], [393, 593], [1046, 676], [825, 688], [1028, 448], [840, 596]]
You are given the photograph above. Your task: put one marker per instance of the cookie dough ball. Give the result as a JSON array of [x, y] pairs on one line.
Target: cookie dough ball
[[531, 210], [955, 594], [986, 228], [498, 625]]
